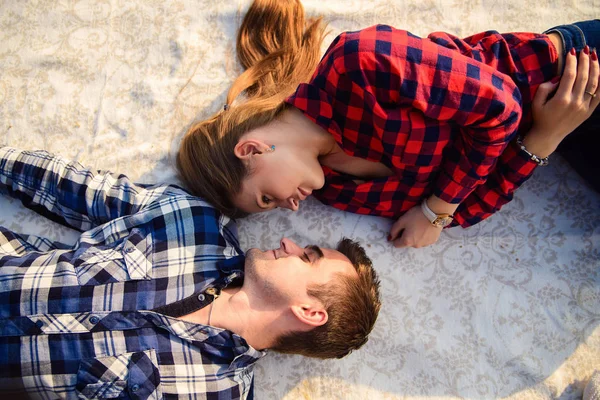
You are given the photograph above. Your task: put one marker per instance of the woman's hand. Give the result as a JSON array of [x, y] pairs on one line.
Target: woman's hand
[[576, 98], [413, 229]]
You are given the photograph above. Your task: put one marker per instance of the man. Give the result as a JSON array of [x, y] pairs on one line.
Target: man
[[156, 299]]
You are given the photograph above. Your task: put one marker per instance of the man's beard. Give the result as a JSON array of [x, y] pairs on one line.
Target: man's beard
[[251, 265], [267, 289]]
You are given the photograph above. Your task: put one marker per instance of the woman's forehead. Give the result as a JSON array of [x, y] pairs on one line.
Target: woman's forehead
[[246, 198]]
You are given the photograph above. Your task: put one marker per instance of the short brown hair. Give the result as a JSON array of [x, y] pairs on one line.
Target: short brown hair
[[352, 304], [278, 50]]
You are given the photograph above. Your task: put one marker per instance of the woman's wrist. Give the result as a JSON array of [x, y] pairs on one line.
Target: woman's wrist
[[440, 206], [540, 144]]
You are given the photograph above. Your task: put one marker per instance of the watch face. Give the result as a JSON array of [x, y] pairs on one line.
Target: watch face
[[442, 221]]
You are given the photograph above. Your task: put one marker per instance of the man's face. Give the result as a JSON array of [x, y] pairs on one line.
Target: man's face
[[283, 275]]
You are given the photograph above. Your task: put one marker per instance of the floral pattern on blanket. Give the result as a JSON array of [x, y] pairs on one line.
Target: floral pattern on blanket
[[507, 308]]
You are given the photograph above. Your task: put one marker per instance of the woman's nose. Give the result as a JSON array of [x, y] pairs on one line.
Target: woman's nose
[[292, 203]]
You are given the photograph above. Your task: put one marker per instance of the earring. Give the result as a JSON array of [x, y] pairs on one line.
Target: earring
[[271, 149]]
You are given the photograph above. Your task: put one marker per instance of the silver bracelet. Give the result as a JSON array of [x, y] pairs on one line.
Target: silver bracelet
[[542, 162]]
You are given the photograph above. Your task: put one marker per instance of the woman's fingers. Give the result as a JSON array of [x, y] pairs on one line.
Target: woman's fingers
[[583, 72], [569, 75], [543, 93], [594, 79], [396, 230]]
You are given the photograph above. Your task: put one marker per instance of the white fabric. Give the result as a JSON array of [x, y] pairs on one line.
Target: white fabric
[[508, 308], [592, 389]]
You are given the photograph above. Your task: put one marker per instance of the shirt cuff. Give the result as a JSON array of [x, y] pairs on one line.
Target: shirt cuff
[[450, 191], [517, 163]]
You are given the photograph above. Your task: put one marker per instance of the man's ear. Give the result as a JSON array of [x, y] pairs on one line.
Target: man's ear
[[246, 148], [311, 314]]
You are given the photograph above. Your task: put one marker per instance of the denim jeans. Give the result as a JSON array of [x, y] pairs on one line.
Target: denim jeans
[[582, 147], [578, 34]]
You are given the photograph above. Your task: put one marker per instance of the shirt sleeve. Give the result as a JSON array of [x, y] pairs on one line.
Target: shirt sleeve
[[68, 193], [483, 103], [514, 167]]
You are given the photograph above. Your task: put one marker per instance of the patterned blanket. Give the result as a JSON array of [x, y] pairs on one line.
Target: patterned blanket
[[507, 308]]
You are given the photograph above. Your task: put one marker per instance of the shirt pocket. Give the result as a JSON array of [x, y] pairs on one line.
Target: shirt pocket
[[124, 376], [127, 259]]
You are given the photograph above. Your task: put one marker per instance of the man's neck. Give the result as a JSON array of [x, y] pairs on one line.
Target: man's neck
[[231, 311]]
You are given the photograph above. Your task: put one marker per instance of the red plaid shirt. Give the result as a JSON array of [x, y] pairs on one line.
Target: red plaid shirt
[[439, 112]]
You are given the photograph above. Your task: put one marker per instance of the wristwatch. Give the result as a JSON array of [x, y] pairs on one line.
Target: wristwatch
[[441, 220]]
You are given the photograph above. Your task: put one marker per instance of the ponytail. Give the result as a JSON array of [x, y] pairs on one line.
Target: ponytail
[[275, 49], [277, 53]]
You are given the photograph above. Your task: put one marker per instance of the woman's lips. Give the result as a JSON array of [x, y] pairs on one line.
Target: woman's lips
[[304, 193]]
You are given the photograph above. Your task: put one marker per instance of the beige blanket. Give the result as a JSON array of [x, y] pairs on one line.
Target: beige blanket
[[508, 308]]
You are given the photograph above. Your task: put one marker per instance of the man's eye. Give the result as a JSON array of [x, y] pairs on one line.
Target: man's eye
[[305, 257], [266, 200]]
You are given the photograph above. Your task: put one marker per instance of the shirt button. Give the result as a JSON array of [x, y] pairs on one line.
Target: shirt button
[[94, 320], [201, 297], [39, 323], [129, 249], [135, 388]]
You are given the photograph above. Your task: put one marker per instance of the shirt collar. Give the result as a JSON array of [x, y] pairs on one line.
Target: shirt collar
[[232, 264], [213, 341]]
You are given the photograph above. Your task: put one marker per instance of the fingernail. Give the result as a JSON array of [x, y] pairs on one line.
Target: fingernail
[[594, 56], [555, 80], [572, 51], [586, 49]]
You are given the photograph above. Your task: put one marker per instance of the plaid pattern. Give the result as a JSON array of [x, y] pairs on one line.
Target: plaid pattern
[[439, 112], [76, 321]]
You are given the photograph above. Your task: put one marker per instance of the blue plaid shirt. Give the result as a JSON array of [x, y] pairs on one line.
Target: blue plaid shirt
[[77, 321]]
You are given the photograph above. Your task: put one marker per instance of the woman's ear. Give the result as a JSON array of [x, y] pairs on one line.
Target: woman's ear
[[246, 148], [311, 314]]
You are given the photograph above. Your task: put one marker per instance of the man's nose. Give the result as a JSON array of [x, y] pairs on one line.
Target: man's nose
[[289, 247]]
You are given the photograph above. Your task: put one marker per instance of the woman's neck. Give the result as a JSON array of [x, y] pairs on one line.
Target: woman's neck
[[295, 129], [306, 133]]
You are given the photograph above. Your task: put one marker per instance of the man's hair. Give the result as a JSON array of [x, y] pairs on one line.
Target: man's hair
[[352, 304], [278, 51]]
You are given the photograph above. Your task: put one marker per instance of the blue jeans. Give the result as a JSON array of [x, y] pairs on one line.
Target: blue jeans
[[578, 34], [580, 148]]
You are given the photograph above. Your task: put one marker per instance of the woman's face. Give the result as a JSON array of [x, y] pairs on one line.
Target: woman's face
[[279, 178]]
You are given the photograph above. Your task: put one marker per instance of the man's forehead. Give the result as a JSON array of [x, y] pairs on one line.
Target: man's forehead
[[337, 262], [334, 255]]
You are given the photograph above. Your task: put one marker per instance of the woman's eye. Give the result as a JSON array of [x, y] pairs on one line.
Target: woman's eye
[[266, 200]]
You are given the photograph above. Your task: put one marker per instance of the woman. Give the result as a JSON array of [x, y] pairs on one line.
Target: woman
[[389, 124]]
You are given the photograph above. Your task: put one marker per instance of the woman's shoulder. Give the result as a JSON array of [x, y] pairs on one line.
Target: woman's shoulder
[[369, 36], [367, 43]]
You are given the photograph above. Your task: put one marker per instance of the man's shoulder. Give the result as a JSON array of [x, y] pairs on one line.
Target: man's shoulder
[[175, 193]]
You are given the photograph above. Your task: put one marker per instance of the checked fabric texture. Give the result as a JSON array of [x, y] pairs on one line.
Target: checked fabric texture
[[508, 308], [440, 112], [77, 321]]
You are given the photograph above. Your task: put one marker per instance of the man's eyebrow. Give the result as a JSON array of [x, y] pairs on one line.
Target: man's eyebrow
[[317, 250]]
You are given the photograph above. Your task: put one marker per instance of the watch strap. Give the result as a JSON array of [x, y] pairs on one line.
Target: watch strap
[[430, 215]]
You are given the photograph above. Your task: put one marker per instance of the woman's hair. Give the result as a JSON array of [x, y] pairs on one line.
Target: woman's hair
[[352, 306], [278, 51]]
